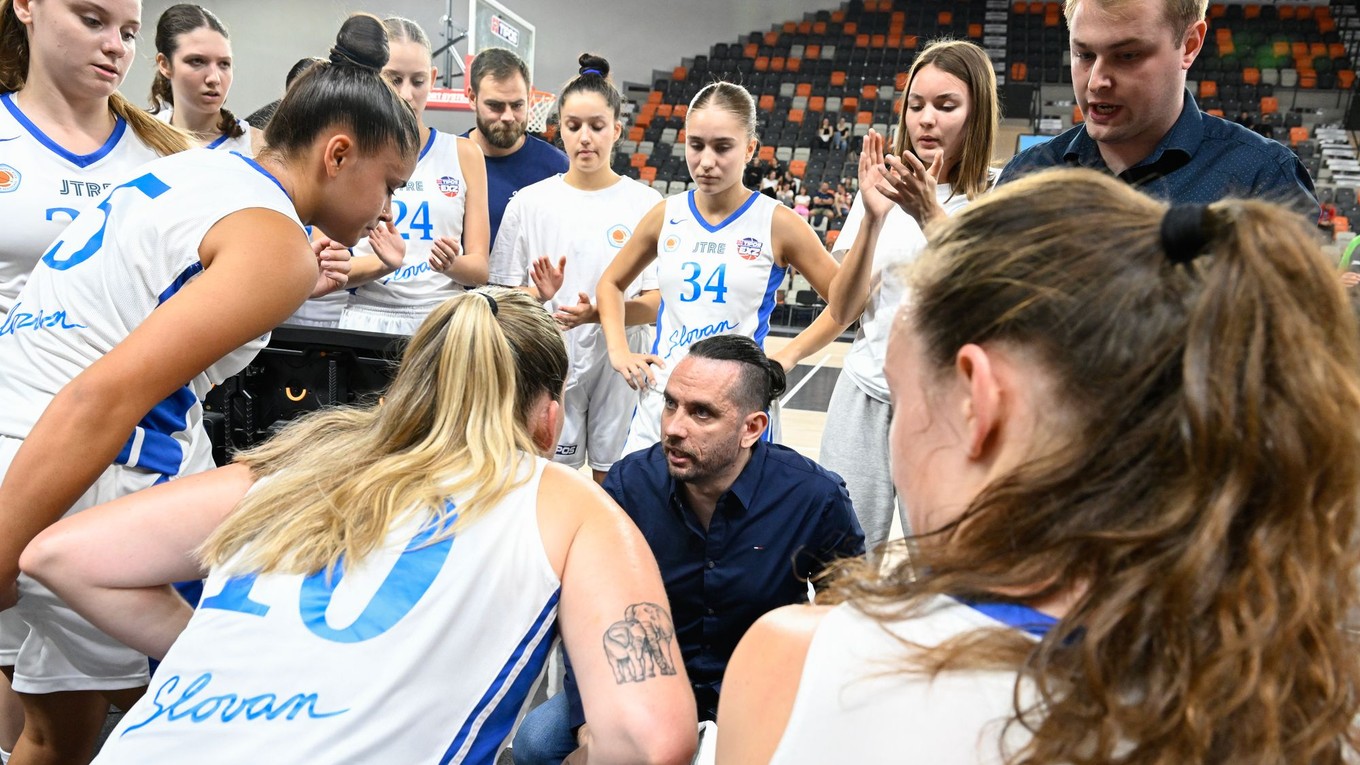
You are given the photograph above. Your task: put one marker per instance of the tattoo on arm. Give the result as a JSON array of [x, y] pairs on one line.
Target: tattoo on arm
[[640, 645]]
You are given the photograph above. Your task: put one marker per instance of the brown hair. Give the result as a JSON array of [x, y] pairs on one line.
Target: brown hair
[[1179, 15], [973, 67], [729, 97], [14, 58], [1200, 504], [180, 20]]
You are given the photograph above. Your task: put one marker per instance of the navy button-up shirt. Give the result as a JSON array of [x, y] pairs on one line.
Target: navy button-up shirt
[[1201, 160], [782, 521]]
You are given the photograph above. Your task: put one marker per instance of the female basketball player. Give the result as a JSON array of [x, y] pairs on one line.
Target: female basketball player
[[189, 259], [721, 251], [441, 213], [570, 227], [66, 134], [941, 162], [400, 610], [1132, 460], [193, 77]]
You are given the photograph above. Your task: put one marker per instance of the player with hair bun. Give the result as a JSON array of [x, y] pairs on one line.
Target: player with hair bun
[[193, 77], [170, 283], [568, 228], [441, 212]]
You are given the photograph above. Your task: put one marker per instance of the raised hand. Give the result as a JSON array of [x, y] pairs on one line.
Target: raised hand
[[911, 185], [387, 244], [873, 186], [333, 264], [444, 253], [582, 312], [547, 277], [636, 368]]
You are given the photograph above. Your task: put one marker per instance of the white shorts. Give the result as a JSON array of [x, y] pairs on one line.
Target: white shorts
[[367, 317], [597, 407], [321, 312], [52, 648]]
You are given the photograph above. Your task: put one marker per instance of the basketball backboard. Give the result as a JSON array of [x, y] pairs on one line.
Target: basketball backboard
[[492, 25]]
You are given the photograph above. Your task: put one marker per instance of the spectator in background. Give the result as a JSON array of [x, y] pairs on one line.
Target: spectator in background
[[785, 193], [841, 138], [823, 204], [824, 134]]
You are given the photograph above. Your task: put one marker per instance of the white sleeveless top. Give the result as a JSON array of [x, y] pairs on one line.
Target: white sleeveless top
[[429, 206], [106, 273], [43, 187], [716, 278], [421, 653], [224, 142], [856, 703], [899, 242], [554, 219]]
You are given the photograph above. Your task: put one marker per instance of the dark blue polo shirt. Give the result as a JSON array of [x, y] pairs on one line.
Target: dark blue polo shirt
[[782, 521], [536, 159], [1202, 159]]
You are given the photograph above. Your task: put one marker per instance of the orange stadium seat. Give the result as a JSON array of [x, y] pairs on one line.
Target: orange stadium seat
[[1251, 11], [878, 41], [1270, 105], [805, 27], [813, 51], [975, 31], [762, 63], [864, 118], [795, 115], [1286, 12], [946, 18], [772, 38], [664, 110], [638, 160], [803, 89], [637, 134], [798, 167], [1208, 89], [1251, 76], [679, 74], [1345, 79], [838, 16], [849, 104], [838, 79], [819, 29], [793, 65], [1218, 11], [1297, 134], [766, 153], [750, 51], [654, 97], [680, 110], [777, 64], [900, 82], [790, 27], [868, 92], [647, 174], [861, 41], [766, 102], [850, 29], [816, 104], [1018, 71], [1077, 116]]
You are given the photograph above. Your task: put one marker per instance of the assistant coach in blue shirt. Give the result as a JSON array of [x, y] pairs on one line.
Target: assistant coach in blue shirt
[[1142, 125], [738, 525]]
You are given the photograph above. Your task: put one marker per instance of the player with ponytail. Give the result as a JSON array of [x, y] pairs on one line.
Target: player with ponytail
[[194, 71]]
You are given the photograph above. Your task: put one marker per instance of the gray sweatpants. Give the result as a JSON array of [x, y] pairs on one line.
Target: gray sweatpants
[[857, 449]]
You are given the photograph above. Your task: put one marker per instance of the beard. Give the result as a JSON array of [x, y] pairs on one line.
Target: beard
[[500, 134], [702, 467]]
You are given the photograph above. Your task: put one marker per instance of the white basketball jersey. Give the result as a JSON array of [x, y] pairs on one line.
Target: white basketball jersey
[[43, 187], [428, 207], [420, 653], [223, 142], [554, 219], [106, 273], [716, 278]]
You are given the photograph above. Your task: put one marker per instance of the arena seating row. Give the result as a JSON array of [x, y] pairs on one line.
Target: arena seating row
[[850, 63]]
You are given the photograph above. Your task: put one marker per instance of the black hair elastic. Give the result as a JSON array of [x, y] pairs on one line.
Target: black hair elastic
[[495, 309], [344, 56], [1184, 233]]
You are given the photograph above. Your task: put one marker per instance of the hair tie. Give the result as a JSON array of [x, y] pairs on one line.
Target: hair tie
[[592, 71], [1184, 235], [495, 309], [346, 57]]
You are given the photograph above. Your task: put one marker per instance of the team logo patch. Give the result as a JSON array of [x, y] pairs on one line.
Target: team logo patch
[[618, 236], [749, 248], [9, 178], [671, 244], [449, 186]]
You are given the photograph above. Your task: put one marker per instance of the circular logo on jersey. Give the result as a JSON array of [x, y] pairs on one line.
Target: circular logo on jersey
[[449, 186], [671, 244], [9, 178], [749, 248], [618, 236]]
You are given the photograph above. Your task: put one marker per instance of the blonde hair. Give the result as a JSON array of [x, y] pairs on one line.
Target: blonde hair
[[971, 65], [1179, 15], [454, 423], [1201, 506], [14, 58]]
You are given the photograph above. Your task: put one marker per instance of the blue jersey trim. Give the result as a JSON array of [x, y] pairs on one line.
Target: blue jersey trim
[[1020, 617], [736, 214], [777, 274], [488, 734], [159, 451], [79, 160], [264, 172], [179, 283], [221, 139], [428, 143]]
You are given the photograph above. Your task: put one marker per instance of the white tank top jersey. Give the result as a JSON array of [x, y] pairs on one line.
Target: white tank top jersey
[[106, 273], [899, 242], [428, 207], [43, 187], [716, 278], [554, 219], [421, 653], [223, 142], [857, 703]]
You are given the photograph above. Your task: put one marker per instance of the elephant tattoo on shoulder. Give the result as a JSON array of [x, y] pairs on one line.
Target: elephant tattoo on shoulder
[[640, 645]]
